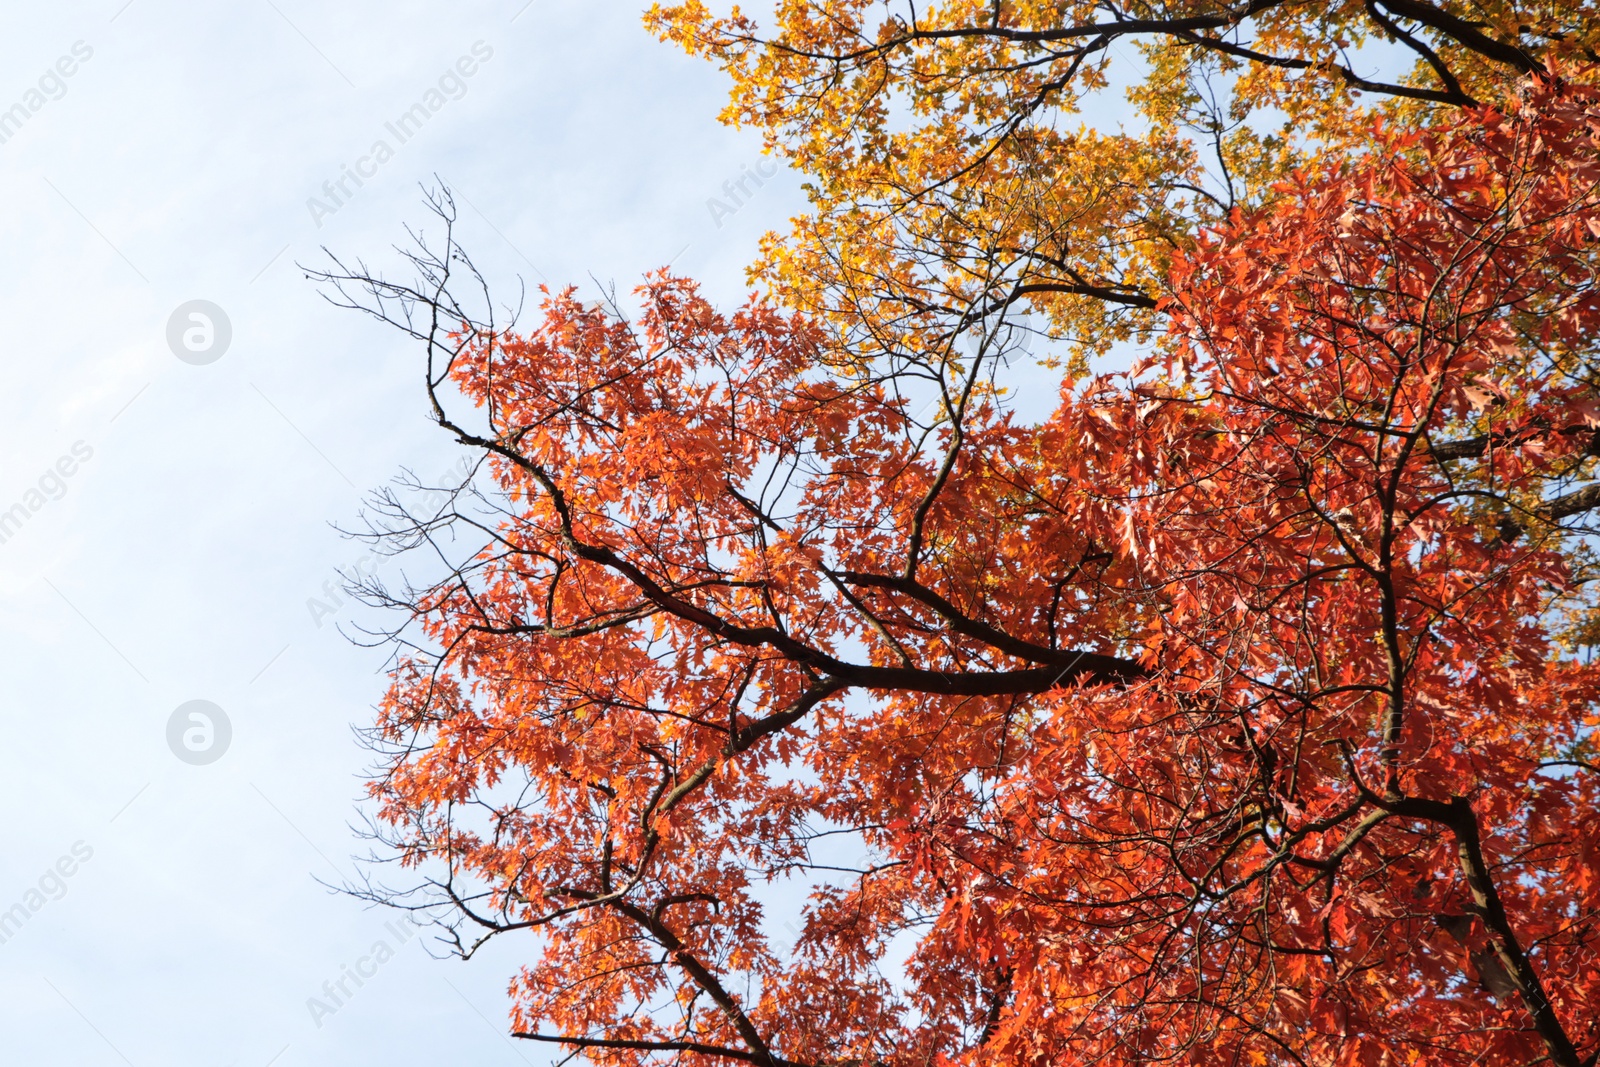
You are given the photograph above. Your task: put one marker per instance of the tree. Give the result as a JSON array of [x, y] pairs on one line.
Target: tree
[[1234, 713], [951, 171]]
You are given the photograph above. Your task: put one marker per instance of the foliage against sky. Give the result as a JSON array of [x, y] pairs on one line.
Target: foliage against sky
[[1239, 711], [957, 155]]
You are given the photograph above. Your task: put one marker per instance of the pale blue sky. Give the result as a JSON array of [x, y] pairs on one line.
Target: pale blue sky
[[179, 558]]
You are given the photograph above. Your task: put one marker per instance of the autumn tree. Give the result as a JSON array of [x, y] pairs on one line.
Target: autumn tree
[[956, 161], [800, 703]]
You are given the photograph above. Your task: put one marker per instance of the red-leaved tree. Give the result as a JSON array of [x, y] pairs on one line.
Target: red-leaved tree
[[803, 713]]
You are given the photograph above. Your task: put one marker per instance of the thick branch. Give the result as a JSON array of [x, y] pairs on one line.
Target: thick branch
[[1458, 815], [642, 1045], [1573, 503], [1098, 667], [707, 982], [1469, 850], [1464, 33], [962, 623]]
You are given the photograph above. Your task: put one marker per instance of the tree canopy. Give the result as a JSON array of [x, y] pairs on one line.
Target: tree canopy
[[1240, 710], [951, 167]]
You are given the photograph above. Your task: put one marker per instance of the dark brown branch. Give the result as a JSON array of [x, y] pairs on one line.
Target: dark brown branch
[[655, 1046], [1202, 31], [1429, 56], [1097, 666], [1507, 948], [702, 977], [1349, 76], [1128, 297], [1465, 34], [958, 620], [1570, 504], [1462, 821], [1475, 447]]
